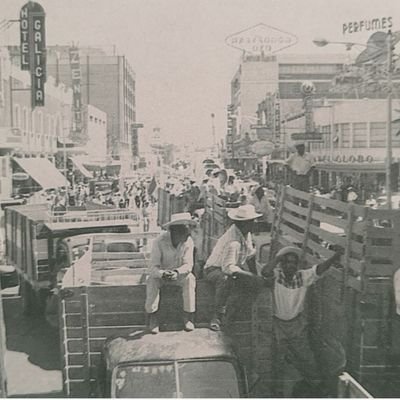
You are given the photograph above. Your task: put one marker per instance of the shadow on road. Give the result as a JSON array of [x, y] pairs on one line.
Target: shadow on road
[[31, 335]]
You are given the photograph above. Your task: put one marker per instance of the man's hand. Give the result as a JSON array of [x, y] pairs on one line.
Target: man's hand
[[170, 275]]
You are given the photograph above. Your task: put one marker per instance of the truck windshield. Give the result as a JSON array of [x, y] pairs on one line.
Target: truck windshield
[[195, 379]]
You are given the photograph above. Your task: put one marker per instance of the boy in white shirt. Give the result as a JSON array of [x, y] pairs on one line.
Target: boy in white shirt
[[290, 284]]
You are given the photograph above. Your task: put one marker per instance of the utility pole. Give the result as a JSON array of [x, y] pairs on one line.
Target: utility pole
[[389, 122]]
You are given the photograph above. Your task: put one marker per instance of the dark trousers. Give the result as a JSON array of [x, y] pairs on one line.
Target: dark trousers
[[291, 343], [301, 182], [231, 295]]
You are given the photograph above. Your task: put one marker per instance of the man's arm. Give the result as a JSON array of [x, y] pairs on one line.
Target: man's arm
[[187, 258], [325, 265], [231, 259], [155, 260]]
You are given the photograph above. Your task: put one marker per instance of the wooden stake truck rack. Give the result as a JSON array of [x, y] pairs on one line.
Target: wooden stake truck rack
[[31, 236], [93, 311], [351, 310]]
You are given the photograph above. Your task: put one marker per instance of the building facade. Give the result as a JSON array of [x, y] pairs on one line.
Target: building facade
[[27, 132], [108, 83], [275, 80]]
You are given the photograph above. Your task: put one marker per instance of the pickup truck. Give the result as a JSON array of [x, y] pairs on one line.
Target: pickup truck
[[199, 364], [101, 300]]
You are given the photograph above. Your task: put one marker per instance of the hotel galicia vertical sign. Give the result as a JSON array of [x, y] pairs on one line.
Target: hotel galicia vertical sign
[[33, 49]]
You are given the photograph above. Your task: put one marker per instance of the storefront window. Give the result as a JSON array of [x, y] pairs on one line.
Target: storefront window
[[360, 134], [378, 134], [345, 128]]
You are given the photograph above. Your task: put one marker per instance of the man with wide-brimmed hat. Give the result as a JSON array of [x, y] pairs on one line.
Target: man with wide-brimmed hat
[[228, 265], [301, 165], [172, 264], [290, 284]]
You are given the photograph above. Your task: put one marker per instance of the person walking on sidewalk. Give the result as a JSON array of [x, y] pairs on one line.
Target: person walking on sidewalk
[[290, 284], [172, 264], [228, 267]]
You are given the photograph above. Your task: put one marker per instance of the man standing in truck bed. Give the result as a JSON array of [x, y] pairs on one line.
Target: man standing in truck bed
[[290, 284], [172, 264]]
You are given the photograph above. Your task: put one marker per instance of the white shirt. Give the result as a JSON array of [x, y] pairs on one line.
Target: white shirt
[[289, 302], [301, 164], [231, 251]]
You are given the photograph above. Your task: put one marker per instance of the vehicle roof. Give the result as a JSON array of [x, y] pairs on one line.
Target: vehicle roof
[[64, 229], [168, 346]]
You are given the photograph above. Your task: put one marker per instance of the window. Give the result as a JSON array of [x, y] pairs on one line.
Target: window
[[24, 120], [360, 133], [378, 134], [345, 128], [17, 116]]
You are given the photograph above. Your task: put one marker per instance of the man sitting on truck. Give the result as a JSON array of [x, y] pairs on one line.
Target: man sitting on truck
[[172, 264], [228, 266], [290, 284]]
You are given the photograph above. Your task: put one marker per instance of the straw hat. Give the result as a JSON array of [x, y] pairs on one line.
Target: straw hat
[[180, 219], [243, 213], [288, 250]]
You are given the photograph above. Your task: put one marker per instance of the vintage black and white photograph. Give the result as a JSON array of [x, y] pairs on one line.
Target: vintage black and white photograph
[[200, 198]]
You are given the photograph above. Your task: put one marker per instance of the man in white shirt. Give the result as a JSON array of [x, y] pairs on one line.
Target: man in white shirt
[[228, 266], [301, 165], [290, 285], [172, 264]]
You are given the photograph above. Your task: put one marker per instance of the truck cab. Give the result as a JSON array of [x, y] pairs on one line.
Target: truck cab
[[199, 364]]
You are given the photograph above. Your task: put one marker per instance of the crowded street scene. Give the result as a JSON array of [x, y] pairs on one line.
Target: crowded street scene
[[200, 199]]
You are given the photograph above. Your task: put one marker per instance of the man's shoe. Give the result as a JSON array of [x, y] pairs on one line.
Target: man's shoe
[[154, 326], [188, 322], [215, 324], [189, 326]]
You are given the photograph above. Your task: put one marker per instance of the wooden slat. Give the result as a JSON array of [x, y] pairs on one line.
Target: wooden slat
[[330, 219], [322, 251], [336, 205], [356, 265], [298, 193], [294, 220], [295, 208], [354, 283], [380, 269], [329, 237], [384, 252], [78, 358], [359, 227], [357, 247], [291, 232], [380, 233]]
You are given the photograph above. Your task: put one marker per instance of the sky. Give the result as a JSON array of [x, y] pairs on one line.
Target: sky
[[177, 48]]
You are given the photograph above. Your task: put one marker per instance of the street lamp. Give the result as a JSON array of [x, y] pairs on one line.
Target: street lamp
[[321, 42]]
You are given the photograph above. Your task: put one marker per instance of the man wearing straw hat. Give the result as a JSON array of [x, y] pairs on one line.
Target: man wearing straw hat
[[290, 284], [172, 264], [228, 265]]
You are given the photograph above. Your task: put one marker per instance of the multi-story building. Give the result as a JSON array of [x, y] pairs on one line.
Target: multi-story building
[[26, 132], [108, 83], [353, 149], [278, 77]]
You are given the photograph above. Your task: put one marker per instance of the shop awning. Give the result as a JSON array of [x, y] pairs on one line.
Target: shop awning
[[352, 167], [80, 167], [43, 172]]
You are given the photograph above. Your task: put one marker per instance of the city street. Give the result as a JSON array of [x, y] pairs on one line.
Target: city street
[[33, 354]]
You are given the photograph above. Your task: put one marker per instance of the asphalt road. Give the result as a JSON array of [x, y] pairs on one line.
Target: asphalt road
[[33, 354]]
